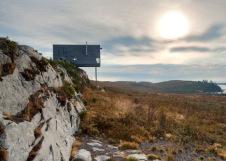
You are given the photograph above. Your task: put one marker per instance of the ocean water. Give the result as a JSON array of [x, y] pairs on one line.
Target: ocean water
[[223, 87]]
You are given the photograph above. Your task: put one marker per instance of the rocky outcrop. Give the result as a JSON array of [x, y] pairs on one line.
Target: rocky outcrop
[[83, 155], [98, 149], [37, 119]]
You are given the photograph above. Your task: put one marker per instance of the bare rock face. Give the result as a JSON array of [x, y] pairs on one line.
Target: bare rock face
[[34, 123]]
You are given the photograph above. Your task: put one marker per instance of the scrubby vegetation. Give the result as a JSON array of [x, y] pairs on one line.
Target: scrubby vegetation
[[137, 117], [175, 86], [40, 64], [29, 74], [153, 157], [128, 145], [79, 78], [130, 159], [9, 48]]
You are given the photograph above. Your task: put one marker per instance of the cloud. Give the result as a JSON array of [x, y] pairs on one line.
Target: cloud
[[131, 44], [198, 49], [125, 29], [212, 33], [190, 49]]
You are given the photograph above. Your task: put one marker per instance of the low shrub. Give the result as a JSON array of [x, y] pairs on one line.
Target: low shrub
[[29, 74], [128, 145], [34, 106], [38, 131], [3, 154], [74, 149], [169, 157], [68, 89], [153, 157], [80, 81], [130, 159], [7, 69], [108, 116], [40, 64], [9, 48]]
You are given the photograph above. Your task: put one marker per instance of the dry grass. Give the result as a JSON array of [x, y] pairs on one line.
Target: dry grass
[[75, 147], [169, 157], [130, 159], [35, 150], [38, 131], [105, 118], [29, 74], [137, 117], [128, 145], [153, 157], [7, 115], [222, 153], [34, 106], [3, 154], [8, 68]]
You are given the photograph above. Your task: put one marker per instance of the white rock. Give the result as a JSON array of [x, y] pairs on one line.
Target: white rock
[[18, 139], [95, 144], [119, 154], [98, 149], [57, 131], [140, 157], [112, 147], [15, 91], [4, 58], [83, 155], [133, 151], [102, 158], [96, 141], [59, 123]]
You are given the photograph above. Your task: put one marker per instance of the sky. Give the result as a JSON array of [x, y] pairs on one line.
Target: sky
[[128, 32]]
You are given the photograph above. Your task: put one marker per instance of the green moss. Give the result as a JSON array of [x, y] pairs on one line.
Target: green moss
[[53, 63], [130, 159], [153, 157], [68, 89]]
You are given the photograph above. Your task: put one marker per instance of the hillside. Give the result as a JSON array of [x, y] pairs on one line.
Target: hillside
[[49, 111], [175, 86]]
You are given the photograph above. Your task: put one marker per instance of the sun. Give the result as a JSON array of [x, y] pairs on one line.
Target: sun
[[173, 25]]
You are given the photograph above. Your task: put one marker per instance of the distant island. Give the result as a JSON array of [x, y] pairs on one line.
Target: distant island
[[173, 86]]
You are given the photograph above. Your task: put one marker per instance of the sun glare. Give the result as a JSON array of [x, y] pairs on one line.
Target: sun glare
[[173, 25]]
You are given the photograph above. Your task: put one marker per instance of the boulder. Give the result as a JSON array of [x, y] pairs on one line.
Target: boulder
[[102, 158], [83, 155], [140, 157]]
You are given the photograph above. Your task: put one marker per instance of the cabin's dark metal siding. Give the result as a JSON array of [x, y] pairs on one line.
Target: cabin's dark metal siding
[[77, 54]]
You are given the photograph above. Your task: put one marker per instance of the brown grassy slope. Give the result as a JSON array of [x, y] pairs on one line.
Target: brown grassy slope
[[141, 117]]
